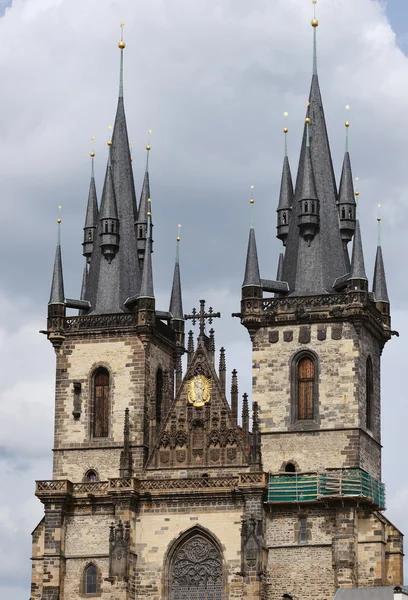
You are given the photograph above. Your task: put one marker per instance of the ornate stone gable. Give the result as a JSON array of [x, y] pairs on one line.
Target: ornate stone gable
[[199, 430]]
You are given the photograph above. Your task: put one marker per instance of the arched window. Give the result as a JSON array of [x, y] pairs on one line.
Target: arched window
[[195, 570], [91, 476], [369, 394], [159, 397], [91, 579], [290, 468], [100, 420], [306, 388], [302, 530]]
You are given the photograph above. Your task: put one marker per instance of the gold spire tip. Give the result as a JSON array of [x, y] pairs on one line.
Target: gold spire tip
[[379, 213], [148, 146], [59, 214], [285, 130], [347, 124], [307, 121], [121, 44], [178, 232], [357, 193], [315, 22], [252, 193]]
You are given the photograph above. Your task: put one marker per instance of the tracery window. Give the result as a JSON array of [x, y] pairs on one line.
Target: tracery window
[[306, 388], [91, 579], [159, 396], [196, 570], [101, 404], [369, 393]]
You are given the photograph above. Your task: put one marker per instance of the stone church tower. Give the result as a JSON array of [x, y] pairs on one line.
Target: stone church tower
[[159, 489]]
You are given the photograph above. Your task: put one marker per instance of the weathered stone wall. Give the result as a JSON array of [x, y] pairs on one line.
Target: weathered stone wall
[[333, 440], [125, 358]]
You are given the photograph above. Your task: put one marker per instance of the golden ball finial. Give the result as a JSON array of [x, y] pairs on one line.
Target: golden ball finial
[[307, 121], [252, 201], [315, 22], [285, 130], [92, 154], [110, 143], [357, 193], [347, 124], [149, 214], [121, 45], [58, 221], [178, 238], [148, 147]]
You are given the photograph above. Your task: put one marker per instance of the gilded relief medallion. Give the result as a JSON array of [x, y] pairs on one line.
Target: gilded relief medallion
[[198, 390]]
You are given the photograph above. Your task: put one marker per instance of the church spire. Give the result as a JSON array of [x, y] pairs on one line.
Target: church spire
[[146, 289], [346, 202], [285, 197], [57, 295], [357, 258], [380, 290], [314, 256], [125, 278], [176, 302], [141, 223], [91, 219], [252, 277]]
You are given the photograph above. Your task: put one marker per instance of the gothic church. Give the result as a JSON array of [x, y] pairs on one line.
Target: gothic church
[[160, 489]]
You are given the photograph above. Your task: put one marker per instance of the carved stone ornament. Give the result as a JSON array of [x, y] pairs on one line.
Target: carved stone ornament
[[214, 454], [304, 334], [288, 336], [180, 455], [273, 336], [164, 456], [337, 332], [198, 390], [321, 333]]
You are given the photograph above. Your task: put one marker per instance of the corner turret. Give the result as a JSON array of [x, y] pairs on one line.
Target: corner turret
[[346, 202], [380, 290], [109, 221], [285, 198], [309, 209], [176, 301], [91, 219], [56, 304], [141, 223]]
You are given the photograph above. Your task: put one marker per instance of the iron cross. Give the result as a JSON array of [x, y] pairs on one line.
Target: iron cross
[[202, 316]]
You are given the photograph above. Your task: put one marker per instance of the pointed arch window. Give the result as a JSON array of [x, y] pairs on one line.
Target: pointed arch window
[[369, 393], [90, 585], [159, 397], [101, 403], [195, 570], [305, 387]]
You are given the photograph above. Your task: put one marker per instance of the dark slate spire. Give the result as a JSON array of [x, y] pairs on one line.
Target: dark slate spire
[[146, 289], [91, 219], [285, 198], [379, 282], [109, 232], [141, 223], [107, 296], [279, 273], [57, 295], [84, 285], [176, 301], [308, 217], [125, 278], [252, 277], [312, 269], [357, 258], [346, 201]]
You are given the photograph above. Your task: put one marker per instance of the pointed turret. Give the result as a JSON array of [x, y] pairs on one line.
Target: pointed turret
[[176, 301], [346, 202], [56, 304], [252, 277], [308, 215], [109, 222], [358, 277], [91, 219], [380, 290], [141, 223], [146, 300], [57, 286], [312, 264], [285, 198]]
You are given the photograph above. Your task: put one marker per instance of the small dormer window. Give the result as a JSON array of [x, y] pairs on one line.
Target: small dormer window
[[343, 213], [106, 227], [306, 207], [284, 218]]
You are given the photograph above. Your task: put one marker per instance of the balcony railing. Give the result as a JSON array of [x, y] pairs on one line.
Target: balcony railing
[[309, 487]]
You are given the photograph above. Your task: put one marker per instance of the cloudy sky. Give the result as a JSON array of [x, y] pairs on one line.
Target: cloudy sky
[[212, 79]]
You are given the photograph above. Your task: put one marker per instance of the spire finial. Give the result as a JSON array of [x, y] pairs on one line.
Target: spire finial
[[347, 125], [178, 242], [59, 226], [379, 225], [307, 121], [315, 24], [92, 155], [148, 147], [109, 142], [285, 131], [252, 202], [121, 46]]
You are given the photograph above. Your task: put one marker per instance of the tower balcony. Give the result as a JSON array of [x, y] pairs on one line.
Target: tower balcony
[[330, 484]]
